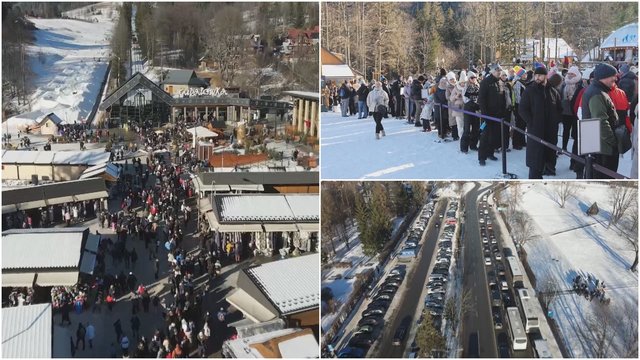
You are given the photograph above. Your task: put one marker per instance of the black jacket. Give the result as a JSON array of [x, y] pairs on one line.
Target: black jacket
[[541, 108], [627, 84], [492, 102], [362, 92], [395, 88], [440, 97], [344, 92]]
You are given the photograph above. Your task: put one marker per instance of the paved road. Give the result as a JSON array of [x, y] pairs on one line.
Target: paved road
[[412, 295], [478, 338]]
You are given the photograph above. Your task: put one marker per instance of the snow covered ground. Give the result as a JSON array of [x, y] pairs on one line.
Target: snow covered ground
[[350, 151], [69, 59], [572, 242]]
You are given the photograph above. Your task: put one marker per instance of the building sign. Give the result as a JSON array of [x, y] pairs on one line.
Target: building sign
[[193, 92]]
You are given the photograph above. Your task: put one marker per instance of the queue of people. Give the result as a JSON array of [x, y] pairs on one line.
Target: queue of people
[[544, 102]]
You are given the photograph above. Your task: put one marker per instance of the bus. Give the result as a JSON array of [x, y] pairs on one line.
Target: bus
[[516, 273], [541, 348], [518, 336], [531, 322]]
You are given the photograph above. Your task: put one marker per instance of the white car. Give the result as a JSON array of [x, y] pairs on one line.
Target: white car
[[484, 240], [487, 261], [481, 220], [498, 256]]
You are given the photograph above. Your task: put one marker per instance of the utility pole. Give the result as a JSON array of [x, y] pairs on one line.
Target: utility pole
[[555, 21]]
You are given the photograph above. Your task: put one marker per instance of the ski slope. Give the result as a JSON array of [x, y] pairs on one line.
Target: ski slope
[[350, 151], [572, 243], [69, 59]]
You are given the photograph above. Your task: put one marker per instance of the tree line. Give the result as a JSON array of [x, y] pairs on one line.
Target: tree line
[[368, 207], [398, 38]]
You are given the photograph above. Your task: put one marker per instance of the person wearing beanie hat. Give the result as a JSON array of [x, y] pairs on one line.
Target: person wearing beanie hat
[[492, 101], [540, 107], [627, 81], [597, 104], [416, 98], [540, 70]]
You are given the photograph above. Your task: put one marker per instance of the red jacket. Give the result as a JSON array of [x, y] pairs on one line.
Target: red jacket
[[621, 103]]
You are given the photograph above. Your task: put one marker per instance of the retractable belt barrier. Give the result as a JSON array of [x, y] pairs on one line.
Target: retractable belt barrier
[[575, 157]]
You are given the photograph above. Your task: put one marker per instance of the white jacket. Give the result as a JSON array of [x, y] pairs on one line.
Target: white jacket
[[377, 97]]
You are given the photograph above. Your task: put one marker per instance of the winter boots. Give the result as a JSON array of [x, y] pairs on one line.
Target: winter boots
[[454, 132], [377, 136], [382, 132]]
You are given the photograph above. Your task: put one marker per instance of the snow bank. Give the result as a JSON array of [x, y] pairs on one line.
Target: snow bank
[[350, 151]]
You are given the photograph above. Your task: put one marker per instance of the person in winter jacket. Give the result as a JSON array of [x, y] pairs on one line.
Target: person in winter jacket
[[353, 110], [378, 102], [397, 96], [505, 84], [540, 107], [427, 109], [634, 146], [520, 83], [627, 81], [596, 103], [441, 113], [621, 104], [471, 125], [571, 88], [416, 97], [344, 93], [456, 100], [451, 84], [385, 87], [407, 100], [363, 92], [492, 101]]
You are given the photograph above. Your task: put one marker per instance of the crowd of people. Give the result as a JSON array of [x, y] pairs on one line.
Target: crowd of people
[[538, 99]]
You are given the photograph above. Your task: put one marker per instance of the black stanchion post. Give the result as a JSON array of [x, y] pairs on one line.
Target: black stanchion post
[[588, 167], [502, 147], [441, 130]]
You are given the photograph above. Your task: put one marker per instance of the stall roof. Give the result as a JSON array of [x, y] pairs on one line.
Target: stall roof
[[263, 178], [267, 207], [308, 95], [254, 346], [305, 207], [88, 157], [251, 308], [202, 132], [109, 169], [27, 331], [57, 278], [22, 279], [292, 285], [300, 347], [42, 248], [624, 37], [337, 72], [31, 197]]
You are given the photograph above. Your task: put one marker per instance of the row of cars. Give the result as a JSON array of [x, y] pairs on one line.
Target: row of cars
[[496, 276], [370, 325], [409, 249], [437, 281]]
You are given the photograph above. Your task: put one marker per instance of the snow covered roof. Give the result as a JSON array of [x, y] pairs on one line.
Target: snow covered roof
[[283, 343], [27, 331], [337, 72], [42, 248], [89, 157], [137, 80], [183, 77], [292, 285], [259, 177], [202, 132], [624, 37], [271, 207], [31, 197], [51, 116], [309, 95], [111, 170]]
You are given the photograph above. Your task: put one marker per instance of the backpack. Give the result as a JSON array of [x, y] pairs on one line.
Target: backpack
[[382, 110], [341, 93]]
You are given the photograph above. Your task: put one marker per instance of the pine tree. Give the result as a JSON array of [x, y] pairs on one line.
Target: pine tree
[[428, 338], [363, 220], [380, 217]]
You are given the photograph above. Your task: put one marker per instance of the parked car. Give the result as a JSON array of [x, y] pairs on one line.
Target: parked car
[[498, 256], [373, 312], [383, 297], [372, 321], [401, 332], [500, 267], [497, 317], [487, 261], [352, 352], [365, 329]]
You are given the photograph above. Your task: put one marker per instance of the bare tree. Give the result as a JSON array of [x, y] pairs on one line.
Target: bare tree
[[627, 320], [457, 307], [563, 191], [224, 41], [630, 235], [522, 228], [622, 196], [599, 332], [548, 288]]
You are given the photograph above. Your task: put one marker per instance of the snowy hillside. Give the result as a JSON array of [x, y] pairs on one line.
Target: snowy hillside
[[350, 151], [573, 243], [69, 59]]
